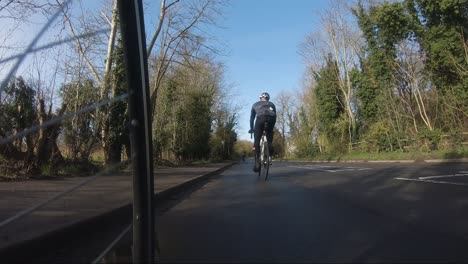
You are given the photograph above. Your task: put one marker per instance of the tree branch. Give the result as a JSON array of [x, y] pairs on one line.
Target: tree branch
[[110, 49], [79, 45], [162, 14]]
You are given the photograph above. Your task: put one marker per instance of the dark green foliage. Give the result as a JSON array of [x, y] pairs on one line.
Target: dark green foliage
[[383, 27], [193, 124], [332, 124], [367, 95], [441, 27], [437, 12], [442, 30], [329, 97], [18, 107], [20, 110], [390, 24], [17, 112], [224, 136]]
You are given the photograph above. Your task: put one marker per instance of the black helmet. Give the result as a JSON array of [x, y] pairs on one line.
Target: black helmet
[[265, 95]]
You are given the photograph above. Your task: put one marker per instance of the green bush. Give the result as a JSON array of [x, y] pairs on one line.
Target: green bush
[[306, 149], [452, 140], [429, 139], [381, 138], [47, 170], [77, 168]]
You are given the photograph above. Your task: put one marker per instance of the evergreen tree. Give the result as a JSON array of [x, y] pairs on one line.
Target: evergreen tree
[[329, 99], [17, 112], [383, 27], [441, 28]]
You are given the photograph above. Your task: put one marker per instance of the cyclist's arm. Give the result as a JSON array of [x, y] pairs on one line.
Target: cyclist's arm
[[252, 117]]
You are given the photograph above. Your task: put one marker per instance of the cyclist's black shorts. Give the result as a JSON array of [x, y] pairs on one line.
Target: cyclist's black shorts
[[259, 124]]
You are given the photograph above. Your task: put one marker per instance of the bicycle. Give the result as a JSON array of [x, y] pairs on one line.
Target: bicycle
[[264, 155]]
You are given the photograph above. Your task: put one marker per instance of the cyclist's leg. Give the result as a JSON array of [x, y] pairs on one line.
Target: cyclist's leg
[[258, 129], [271, 126]]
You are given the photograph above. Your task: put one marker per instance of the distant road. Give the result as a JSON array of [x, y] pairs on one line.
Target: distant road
[[323, 212]]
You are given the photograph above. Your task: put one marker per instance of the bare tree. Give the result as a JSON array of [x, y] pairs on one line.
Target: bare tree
[[341, 38], [286, 104], [17, 16], [102, 77], [22, 10], [414, 84], [179, 33]]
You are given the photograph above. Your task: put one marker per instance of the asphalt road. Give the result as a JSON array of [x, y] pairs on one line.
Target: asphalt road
[[317, 212]]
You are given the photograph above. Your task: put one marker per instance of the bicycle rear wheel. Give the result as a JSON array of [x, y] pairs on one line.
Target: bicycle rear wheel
[[264, 155]]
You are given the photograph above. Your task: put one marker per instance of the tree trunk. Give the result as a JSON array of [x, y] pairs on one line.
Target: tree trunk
[[47, 150], [114, 154]]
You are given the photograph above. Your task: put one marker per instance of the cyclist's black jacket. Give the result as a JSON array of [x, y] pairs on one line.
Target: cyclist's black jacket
[[262, 108]]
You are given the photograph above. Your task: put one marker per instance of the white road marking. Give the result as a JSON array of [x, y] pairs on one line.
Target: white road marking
[[312, 168], [443, 176], [428, 178], [328, 168], [352, 169], [431, 181]]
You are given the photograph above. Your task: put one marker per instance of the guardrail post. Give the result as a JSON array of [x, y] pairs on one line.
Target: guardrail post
[[134, 44]]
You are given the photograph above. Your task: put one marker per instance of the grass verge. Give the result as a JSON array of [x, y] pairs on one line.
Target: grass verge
[[443, 155]]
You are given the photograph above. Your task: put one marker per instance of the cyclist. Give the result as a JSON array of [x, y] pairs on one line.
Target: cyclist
[[265, 111]]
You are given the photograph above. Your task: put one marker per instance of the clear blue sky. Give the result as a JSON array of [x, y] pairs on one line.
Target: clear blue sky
[[264, 38]]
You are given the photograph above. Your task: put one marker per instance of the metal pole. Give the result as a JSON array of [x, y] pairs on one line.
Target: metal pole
[[133, 36]]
